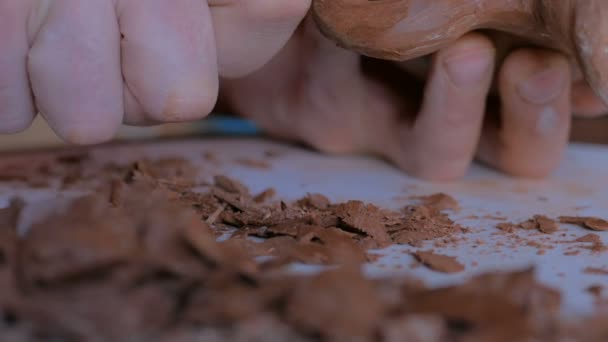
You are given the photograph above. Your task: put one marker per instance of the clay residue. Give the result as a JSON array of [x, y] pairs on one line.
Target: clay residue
[[439, 262]]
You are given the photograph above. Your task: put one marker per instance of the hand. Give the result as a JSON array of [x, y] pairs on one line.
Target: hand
[[89, 65], [321, 95]]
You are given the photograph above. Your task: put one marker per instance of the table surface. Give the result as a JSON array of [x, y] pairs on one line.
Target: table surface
[[577, 188]]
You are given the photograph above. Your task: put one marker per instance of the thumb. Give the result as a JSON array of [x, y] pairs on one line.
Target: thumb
[[249, 33]]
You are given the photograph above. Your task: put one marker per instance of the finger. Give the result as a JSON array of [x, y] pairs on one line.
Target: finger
[[585, 102], [309, 103], [16, 105], [535, 118], [168, 59], [441, 143], [249, 33], [74, 68]]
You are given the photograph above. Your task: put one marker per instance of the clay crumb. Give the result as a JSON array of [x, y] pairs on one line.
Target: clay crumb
[[507, 227], [265, 195], [545, 224], [316, 201], [596, 270], [587, 222], [592, 238], [595, 290], [494, 217], [254, 164], [541, 223], [210, 157], [272, 154], [439, 201], [230, 185], [439, 262]]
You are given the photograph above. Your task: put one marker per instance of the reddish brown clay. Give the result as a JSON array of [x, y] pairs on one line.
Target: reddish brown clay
[[404, 29]]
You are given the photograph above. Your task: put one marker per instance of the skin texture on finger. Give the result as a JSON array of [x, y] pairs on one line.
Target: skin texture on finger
[[249, 33], [169, 60], [535, 115], [441, 143], [16, 105], [74, 68], [585, 103]]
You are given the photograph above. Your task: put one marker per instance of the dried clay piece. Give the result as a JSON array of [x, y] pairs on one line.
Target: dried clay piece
[[405, 29]]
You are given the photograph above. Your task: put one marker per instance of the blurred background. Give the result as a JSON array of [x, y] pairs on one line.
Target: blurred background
[[39, 135]]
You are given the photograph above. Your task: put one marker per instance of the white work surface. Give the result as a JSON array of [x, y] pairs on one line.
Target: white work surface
[[579, 187]]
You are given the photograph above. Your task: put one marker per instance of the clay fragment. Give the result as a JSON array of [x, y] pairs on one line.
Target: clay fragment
[[317, 306], [496, 312], [438, 262], [363, 218], [596, 270], [541, 223], [316, 201], [507, 227], [439, 201], [230, 185], [593, 238], [587, 222], [595, 290], [265, 195], [254, 164]]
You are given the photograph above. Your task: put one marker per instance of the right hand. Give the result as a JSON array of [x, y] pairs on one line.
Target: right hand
[[89, 65]]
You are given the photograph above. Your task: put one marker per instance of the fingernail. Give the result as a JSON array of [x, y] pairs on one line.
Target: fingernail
[[466, 69], [543, 87]]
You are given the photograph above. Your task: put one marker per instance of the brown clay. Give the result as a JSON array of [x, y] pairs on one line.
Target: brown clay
[[404, 29]]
